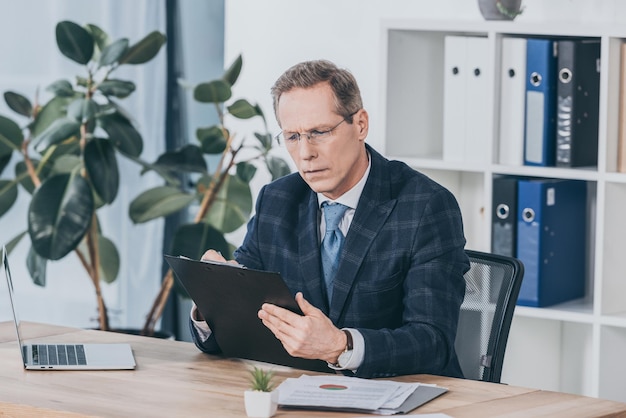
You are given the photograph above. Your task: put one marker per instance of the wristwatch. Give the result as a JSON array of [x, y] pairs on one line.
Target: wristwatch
[[344, 357]]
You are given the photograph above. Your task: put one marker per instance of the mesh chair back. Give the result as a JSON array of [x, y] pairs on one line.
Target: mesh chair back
[[492, 287]]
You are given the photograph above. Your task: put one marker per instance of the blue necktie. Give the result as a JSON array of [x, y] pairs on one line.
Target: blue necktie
[[332, 243]]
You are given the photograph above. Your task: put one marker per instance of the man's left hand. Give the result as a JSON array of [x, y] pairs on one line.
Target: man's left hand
[[312, 336]]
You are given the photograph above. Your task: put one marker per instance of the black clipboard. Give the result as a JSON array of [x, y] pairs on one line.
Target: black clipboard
[[229, 298]]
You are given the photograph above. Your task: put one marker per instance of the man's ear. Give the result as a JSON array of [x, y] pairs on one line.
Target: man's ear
[[363, 122]]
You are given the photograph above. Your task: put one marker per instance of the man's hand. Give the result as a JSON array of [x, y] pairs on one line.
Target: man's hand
[[209, 255], [312, 336], [212, 255]]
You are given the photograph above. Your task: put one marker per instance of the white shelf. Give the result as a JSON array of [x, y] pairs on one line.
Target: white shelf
[[438, 164], [578, 310], [569, 347]]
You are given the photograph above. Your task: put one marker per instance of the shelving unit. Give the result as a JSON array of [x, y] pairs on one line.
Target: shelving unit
[[575, 347]]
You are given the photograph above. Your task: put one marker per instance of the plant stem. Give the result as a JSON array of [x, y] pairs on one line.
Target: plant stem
[[92, 246], [207, 201]]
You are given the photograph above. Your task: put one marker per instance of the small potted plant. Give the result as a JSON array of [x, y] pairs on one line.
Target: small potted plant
[[261, 400]]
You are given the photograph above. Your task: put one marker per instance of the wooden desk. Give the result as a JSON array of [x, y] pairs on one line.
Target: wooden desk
[[175, 379]]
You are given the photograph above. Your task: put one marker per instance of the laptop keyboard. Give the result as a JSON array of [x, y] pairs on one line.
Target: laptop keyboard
[[61, 354]]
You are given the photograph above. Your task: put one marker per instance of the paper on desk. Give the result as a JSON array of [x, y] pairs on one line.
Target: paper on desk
[[433, 415], [343, 392]]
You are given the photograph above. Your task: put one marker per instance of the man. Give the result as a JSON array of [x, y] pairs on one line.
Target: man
[[391, 304]]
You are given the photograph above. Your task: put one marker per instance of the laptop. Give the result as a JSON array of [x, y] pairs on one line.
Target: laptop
[[59, 356], [229, 298]]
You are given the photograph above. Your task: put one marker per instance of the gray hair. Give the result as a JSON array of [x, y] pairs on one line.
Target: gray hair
[[310, 73]]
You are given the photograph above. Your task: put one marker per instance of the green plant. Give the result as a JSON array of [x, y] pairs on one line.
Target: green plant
[[222, 194], [508, 12], [261, 380], [68, 149]]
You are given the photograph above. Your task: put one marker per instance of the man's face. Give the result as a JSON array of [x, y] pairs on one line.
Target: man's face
[[336, 164]]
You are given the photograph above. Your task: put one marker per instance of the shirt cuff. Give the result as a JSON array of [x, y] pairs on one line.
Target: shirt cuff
[[204, 332], [358, 352]]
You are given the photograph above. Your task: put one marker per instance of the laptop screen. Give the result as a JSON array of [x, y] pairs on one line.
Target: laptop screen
[[7, 273]]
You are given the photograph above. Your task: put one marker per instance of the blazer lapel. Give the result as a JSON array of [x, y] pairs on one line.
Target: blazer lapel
[[309, 250], [372, 212]]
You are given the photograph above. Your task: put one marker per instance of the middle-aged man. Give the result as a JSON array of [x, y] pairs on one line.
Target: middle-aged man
[[382, 287]]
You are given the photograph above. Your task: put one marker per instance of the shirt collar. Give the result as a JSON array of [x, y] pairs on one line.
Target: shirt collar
[[352, 196]]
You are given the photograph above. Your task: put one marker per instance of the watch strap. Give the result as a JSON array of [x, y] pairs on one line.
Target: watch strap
[[349, 342]]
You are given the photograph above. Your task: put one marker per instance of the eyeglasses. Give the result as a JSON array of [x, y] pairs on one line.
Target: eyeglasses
[[314, 137]]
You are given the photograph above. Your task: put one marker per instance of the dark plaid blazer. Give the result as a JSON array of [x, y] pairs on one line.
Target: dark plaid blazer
[[400, 278]]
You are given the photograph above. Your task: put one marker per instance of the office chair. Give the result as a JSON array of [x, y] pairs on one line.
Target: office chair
[[492, 286]]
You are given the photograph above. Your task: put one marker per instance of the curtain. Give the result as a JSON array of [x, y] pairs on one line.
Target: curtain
[[195, 52]]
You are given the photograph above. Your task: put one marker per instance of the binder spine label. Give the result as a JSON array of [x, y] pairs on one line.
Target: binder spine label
[[564, 130], [534, 127]]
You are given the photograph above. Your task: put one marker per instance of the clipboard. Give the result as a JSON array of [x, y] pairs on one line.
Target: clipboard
[[229, 298]]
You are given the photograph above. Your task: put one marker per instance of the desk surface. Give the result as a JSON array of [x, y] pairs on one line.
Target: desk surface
[[175, 379]]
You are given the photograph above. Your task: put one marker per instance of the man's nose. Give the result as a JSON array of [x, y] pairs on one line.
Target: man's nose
[[306, 151]]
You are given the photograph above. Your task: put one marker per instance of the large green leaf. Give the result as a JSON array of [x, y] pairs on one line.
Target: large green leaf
[[192, 240], [186, 159], [82, 110], [117, 88], [259, 111], [109, 265], [212, 139], [62, 88], [242, 109], [18, 103], [58, 131], [109, 259], [232, 207], [217, 91], [8, 195], [113, 52], [11, 136], [171, 179], [122, 133], [100, 37], [74, 41], [232, 73], [101, 166], [246, 171], [277, 167], [144, 50], [265, 140], [59, 215], [55, 109], [66, 164], [157, 202], [65, 149], [36, 266], [4, 161]]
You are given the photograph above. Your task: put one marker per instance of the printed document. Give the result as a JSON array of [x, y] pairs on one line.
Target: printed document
[[383, 397]]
